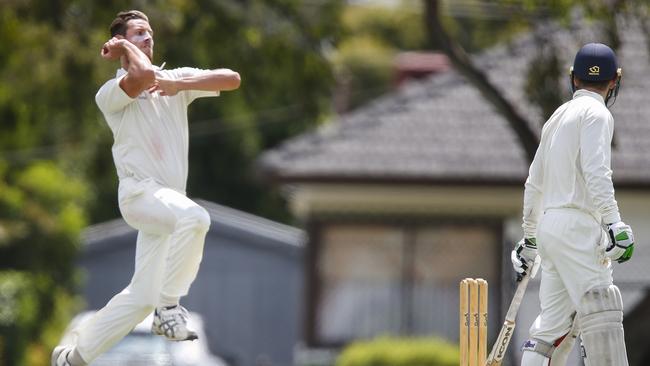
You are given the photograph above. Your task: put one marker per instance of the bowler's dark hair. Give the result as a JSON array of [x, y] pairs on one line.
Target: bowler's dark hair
[[118, 26]]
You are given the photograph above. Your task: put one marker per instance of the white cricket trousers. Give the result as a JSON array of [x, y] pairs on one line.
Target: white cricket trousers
[[572, 246], [171, 233]]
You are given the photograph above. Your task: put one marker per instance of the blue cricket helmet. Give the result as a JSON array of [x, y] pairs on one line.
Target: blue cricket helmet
[[595, 62]]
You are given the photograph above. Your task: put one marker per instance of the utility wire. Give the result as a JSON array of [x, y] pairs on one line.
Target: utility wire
[[199, 128]]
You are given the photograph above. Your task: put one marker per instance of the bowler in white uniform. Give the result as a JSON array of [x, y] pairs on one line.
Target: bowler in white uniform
[[145, 107], [571, 219]]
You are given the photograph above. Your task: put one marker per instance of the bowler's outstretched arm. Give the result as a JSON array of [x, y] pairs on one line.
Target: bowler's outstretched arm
[[208, 80]]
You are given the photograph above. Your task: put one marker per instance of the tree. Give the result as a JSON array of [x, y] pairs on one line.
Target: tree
[[286, 85], [542, 87], [371, 37], [277, 46], [41, 211], [464, 65], [56, 168]]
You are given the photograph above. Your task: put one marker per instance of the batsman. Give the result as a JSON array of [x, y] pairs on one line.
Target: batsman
[[571, 220]]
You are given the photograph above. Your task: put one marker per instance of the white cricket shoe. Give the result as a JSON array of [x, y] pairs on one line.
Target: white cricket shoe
[[60, 356], [171, 322]]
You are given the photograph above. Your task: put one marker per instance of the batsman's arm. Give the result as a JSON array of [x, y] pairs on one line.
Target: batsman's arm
[[533, 197], [596, 135]]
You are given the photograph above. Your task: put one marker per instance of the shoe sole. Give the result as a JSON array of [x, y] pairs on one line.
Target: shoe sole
[[191, 337]]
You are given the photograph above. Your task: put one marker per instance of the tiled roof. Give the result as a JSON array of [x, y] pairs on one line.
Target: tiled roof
[[442, 130]]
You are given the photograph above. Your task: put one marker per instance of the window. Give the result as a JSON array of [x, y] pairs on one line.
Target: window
[[398, 280]]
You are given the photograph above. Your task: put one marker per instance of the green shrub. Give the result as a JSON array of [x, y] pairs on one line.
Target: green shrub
[[388, 351]]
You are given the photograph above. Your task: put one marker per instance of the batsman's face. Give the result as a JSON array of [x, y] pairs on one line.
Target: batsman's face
[[139, 33]]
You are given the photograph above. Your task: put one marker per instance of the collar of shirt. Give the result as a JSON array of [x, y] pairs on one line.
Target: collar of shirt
[[584, 92], [121, 71]]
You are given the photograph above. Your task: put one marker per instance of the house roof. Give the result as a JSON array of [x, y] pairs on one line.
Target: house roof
[[441, 130], [224, 219]]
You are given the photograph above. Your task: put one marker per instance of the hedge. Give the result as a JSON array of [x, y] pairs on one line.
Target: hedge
[[388, 351]]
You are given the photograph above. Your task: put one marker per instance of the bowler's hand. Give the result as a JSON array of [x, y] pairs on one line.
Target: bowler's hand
[[166, 87], [113, 49]]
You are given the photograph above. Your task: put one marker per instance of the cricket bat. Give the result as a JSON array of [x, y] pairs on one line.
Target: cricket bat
[[495, 358]]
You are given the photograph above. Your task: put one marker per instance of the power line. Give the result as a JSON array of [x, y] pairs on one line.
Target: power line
[[199, 128]]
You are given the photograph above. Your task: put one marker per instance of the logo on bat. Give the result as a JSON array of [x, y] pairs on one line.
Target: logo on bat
[[504, 342]]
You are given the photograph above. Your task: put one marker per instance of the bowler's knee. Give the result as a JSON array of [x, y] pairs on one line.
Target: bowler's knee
[[198, 218], [148, 308], [146, 302], [142, 295]]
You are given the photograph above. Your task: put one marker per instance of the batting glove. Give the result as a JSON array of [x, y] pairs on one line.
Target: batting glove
[[621, 242], [525, 257]]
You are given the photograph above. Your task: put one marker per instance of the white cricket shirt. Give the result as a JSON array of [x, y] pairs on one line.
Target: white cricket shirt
[[150, 131], [572, 165]]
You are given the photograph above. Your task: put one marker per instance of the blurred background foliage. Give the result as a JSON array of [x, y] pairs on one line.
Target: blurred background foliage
[[389, 351], [42, 212], [56, 168], [297, 59]]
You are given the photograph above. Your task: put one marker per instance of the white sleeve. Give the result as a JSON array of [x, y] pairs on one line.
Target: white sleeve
[[596, 134], [111, 98], [533, 196], [190, 95]]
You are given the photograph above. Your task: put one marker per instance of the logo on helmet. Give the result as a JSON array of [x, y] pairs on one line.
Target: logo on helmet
[[594, 71]]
